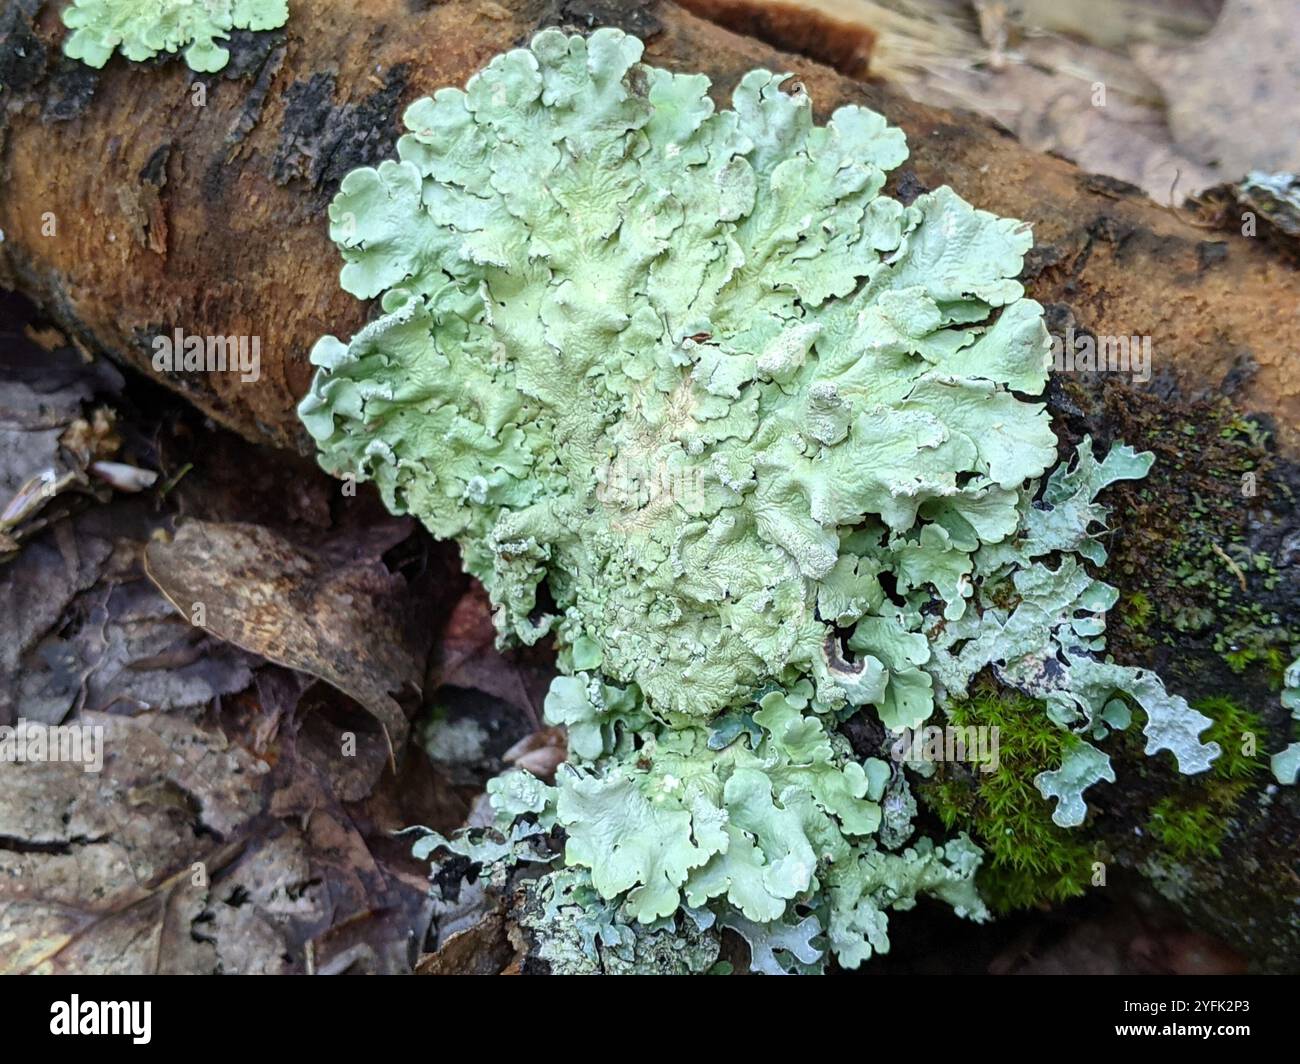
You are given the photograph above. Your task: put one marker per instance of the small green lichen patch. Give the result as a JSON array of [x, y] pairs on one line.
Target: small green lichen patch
[[578, 932], [141, 29]]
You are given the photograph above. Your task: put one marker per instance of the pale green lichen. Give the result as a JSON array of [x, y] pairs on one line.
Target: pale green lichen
[[765, 436], [666, 358], [1045, 641], [143, 28], [1083, 766], [578, 932]]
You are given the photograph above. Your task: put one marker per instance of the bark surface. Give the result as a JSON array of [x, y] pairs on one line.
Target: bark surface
[[144, 198]]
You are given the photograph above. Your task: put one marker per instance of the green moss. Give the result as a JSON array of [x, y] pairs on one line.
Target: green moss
[[1236, 730], [1186, 832], [1136, 611], [1257, 653], [1031, 861]]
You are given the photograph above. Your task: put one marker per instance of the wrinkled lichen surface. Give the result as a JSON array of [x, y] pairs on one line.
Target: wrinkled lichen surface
[[759, 446]]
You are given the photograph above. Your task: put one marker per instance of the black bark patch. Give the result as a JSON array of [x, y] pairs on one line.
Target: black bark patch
[[321, 141], [1244, 368], [154, 172], [866, 735], [1061, 403], [1139, 241], [249, 50], [69, 91], [637, 17], [1039, 258], [907, 186], [1210, 253], [22, 55], [1133, 243], [250, 113], [450, 875], [308, 108], [1111, 187]]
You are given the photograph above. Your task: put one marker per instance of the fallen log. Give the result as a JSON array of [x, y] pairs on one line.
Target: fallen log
[[145, 199]]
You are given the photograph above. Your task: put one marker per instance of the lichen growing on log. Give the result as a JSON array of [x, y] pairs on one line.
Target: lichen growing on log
[[691, 372]]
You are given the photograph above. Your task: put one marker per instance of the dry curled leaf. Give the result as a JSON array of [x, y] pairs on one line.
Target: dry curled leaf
[[351, 624]]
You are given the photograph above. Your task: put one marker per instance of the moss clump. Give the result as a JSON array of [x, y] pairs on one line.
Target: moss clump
[[1237, 730], [1186, 832], [1136, 611], [1031, 861], [1259, 654]]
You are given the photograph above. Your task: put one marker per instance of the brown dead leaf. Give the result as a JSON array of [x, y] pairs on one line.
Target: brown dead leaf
[[353, 624], [87, 630], [467, 656], [229, 830], [1233, 97], [96, 868], [540, 753], [1060, 77], [482, 949], [189, 854]]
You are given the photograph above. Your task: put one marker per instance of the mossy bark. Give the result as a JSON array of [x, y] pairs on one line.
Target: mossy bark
[[145, 198]]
